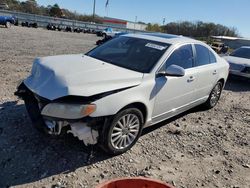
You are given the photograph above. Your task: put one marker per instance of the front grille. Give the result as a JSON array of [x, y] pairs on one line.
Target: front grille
[[246, 70]]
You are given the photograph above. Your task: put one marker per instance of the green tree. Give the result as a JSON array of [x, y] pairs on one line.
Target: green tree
[[154, 27], [55, 11], [198, 29]]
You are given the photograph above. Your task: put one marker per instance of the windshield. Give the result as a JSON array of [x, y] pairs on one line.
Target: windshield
[[241, 52], [108, 29], [136, 54]]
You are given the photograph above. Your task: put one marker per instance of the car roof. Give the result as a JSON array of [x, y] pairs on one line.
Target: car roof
[[166, 38], [245, 47]]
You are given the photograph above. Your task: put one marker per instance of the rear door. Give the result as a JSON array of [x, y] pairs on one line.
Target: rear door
[[207, 70]]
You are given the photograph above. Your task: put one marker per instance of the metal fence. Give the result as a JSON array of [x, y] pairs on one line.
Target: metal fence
[[43, 21]]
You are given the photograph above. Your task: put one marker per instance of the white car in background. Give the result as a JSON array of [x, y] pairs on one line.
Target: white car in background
[[108, 95], [109, 32], [239, 61]]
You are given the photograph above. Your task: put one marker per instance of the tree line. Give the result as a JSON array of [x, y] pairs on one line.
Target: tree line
[[197, 29], [32, 7]]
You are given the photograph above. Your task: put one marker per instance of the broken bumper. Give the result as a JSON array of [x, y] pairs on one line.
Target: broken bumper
[[55, 117]]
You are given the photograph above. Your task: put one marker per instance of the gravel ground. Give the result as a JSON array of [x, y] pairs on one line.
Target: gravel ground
[[196, 149]]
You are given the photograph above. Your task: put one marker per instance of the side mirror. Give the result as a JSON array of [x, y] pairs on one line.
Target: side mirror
[[173, 70]]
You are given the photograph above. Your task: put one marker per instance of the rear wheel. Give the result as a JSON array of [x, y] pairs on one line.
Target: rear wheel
[[123, 131], [8, 25], [214, 96]]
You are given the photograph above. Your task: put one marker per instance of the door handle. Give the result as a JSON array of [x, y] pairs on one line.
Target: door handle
[[215, 72], [191, 78]]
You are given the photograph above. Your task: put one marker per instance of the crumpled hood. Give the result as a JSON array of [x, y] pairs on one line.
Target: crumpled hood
[[58, 76], [237, 60]]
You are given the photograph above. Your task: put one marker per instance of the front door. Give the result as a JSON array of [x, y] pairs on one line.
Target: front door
[[173, 94]]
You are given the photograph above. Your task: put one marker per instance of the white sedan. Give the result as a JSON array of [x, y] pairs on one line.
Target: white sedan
[[108, 95], [239, 61]]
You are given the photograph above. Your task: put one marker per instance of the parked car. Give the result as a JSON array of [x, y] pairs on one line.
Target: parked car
[[91, 31], [107, 38], [78, 30], [33, 24], [69, 29], [16, 21], [60, 28], [51, 27], [7, 21], [107, 32], [111, 93], [239, 61], [25, 24], [99, 33]]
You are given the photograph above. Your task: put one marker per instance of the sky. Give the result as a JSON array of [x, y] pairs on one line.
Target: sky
[[232, 13]]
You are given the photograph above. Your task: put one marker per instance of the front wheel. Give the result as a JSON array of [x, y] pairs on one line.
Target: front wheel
[[104, 35], [214, 96], [123, 131]]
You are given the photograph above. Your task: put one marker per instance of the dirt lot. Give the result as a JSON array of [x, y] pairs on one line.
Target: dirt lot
[[197, 149]]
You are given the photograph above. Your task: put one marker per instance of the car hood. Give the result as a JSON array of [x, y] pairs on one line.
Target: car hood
[[79, 75], [237, 60]]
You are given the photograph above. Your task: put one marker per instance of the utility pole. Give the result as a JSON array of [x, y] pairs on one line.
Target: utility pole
[[164, 20], [94, 10], [135, 21]]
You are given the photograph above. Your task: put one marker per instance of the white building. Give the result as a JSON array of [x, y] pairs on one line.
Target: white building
[[113, 22]]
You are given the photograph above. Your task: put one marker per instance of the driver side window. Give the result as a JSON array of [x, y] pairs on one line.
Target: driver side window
[[182, 57]]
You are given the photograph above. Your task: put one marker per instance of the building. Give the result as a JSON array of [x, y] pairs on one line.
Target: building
[[113, 22], [233, 42]]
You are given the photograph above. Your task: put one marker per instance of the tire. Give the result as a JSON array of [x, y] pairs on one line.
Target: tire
[[34, 114], [104, 35], [214, 96], [8, 25], [118, 136]]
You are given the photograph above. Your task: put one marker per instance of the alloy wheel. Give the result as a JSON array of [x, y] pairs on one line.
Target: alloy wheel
[[215, 95], [125, 131]]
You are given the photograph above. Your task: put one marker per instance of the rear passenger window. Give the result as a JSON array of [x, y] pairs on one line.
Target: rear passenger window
[[182, 57], [202, 55], [212, 57]]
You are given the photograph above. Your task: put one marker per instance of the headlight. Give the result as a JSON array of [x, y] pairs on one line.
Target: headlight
[[235, 66], [68, 111]]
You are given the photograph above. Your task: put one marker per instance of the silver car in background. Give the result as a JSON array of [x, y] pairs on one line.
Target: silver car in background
[[108, 95], [239, 61]]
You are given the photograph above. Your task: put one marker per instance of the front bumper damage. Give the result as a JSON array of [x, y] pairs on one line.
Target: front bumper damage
[[85, 129]]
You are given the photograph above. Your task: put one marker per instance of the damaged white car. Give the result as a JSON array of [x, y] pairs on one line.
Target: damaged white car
[[108, 95]]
